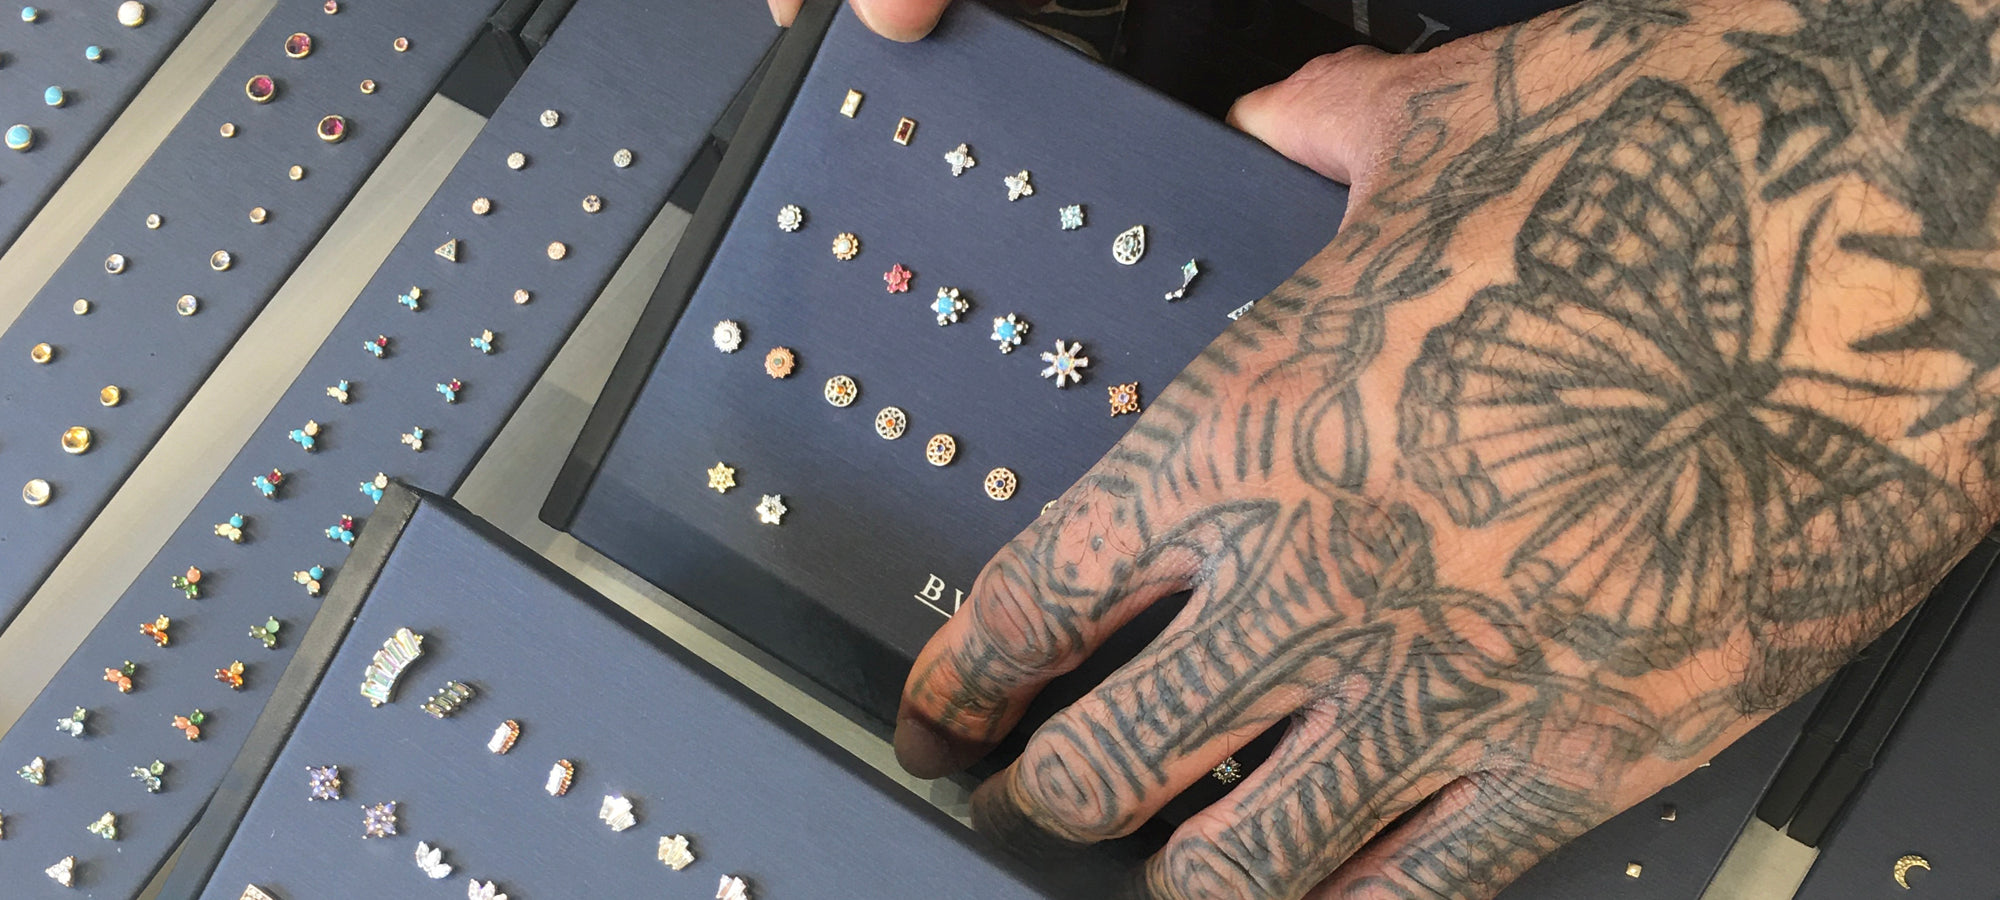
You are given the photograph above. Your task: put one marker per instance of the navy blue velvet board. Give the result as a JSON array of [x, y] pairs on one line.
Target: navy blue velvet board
[[604, 72], [758, 796], [1933, 790], [879, 544], [49, 52], [203, 187]]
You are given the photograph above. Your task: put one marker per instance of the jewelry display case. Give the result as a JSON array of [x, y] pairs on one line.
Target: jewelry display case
[[263, 547], [615, 740], [72, 68], [188, 254]]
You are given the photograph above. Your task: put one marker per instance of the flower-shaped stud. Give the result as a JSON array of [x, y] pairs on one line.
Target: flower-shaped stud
[[846, 245], [1008, 332], [450, 389], [188, 583], [267, 633], [771, 510], [728, 336], [891, 423], [1065, 363], [306, 436], [1018, 186], [63, 872], [841, 390], [949, 305], [485, 891], [430, 860], [790, 218], [374, 487], [960, 159], [721, 478], [231, 675], [1070, 217], [1124, 398], [897, 278], [779, 362], [322, 782], [267, 485], [379, 820]]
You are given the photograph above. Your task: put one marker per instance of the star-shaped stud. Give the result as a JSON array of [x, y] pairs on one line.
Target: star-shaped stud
[[379, 820], [898, 278], [1018, 186], [771, 510], [960, 159], [1065, 362], [721, 478], [322, 782]]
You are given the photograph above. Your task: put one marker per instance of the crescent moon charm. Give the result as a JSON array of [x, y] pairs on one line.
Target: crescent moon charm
[[1904, 865]]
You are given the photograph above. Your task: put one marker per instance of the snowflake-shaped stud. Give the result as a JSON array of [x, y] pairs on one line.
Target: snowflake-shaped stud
[[1064, 363], [960, 159], [1228, 771], [728, 336], [721, 478], [674, 853], [322, 782], [779, 362], [841, 390], [1018, 186], [483, 342], [771, 510], [790, 217], [338, 392], [846, 246], [379, 820], [267, 485], [949, 306], [450, 389], [1124, 398], [1188, 271], [1071, 217], [898, 278], [1008, 332]]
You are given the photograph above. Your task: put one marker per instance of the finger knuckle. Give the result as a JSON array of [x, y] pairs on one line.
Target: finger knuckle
[[1021, 632], [1208, 865], [1069, 794]]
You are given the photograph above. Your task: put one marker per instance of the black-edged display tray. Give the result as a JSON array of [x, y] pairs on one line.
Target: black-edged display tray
[[878, 544], [757, 795], [202, 186], [1934, 789], [602, 72], [50, 52]]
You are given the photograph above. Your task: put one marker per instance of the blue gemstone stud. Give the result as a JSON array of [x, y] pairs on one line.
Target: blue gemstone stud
[[232, 530], [267, 485], [20, 137], [339, 391], [1009, 331], [93, 53], [450, 390], [307, 437], [1071, 217], [342, 531], [483, 342], [374, 487], [54, 96], [412, 298], [30, 14], [949, 306], [376, 347]]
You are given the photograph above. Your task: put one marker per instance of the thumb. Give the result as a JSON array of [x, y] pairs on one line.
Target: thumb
[[900, 20], [1328, 114]]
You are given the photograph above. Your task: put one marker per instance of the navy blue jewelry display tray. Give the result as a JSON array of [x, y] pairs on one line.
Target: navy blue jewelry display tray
[[758, 796], [1934, 790], [203, 186], [878, 544], [603, 72], [49, 52]]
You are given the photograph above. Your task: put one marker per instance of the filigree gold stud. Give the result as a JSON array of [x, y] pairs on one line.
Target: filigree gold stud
[[1000, 483], [940, 450], [891, 422]]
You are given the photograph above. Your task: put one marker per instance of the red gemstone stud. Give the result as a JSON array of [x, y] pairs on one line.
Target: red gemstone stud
[[299, 45], [332, 129], [260, 88]]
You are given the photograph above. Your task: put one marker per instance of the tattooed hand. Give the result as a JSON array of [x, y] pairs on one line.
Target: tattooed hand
[[1652, 374]]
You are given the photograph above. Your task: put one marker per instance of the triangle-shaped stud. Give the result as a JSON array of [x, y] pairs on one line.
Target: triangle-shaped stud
[[449, 250]]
